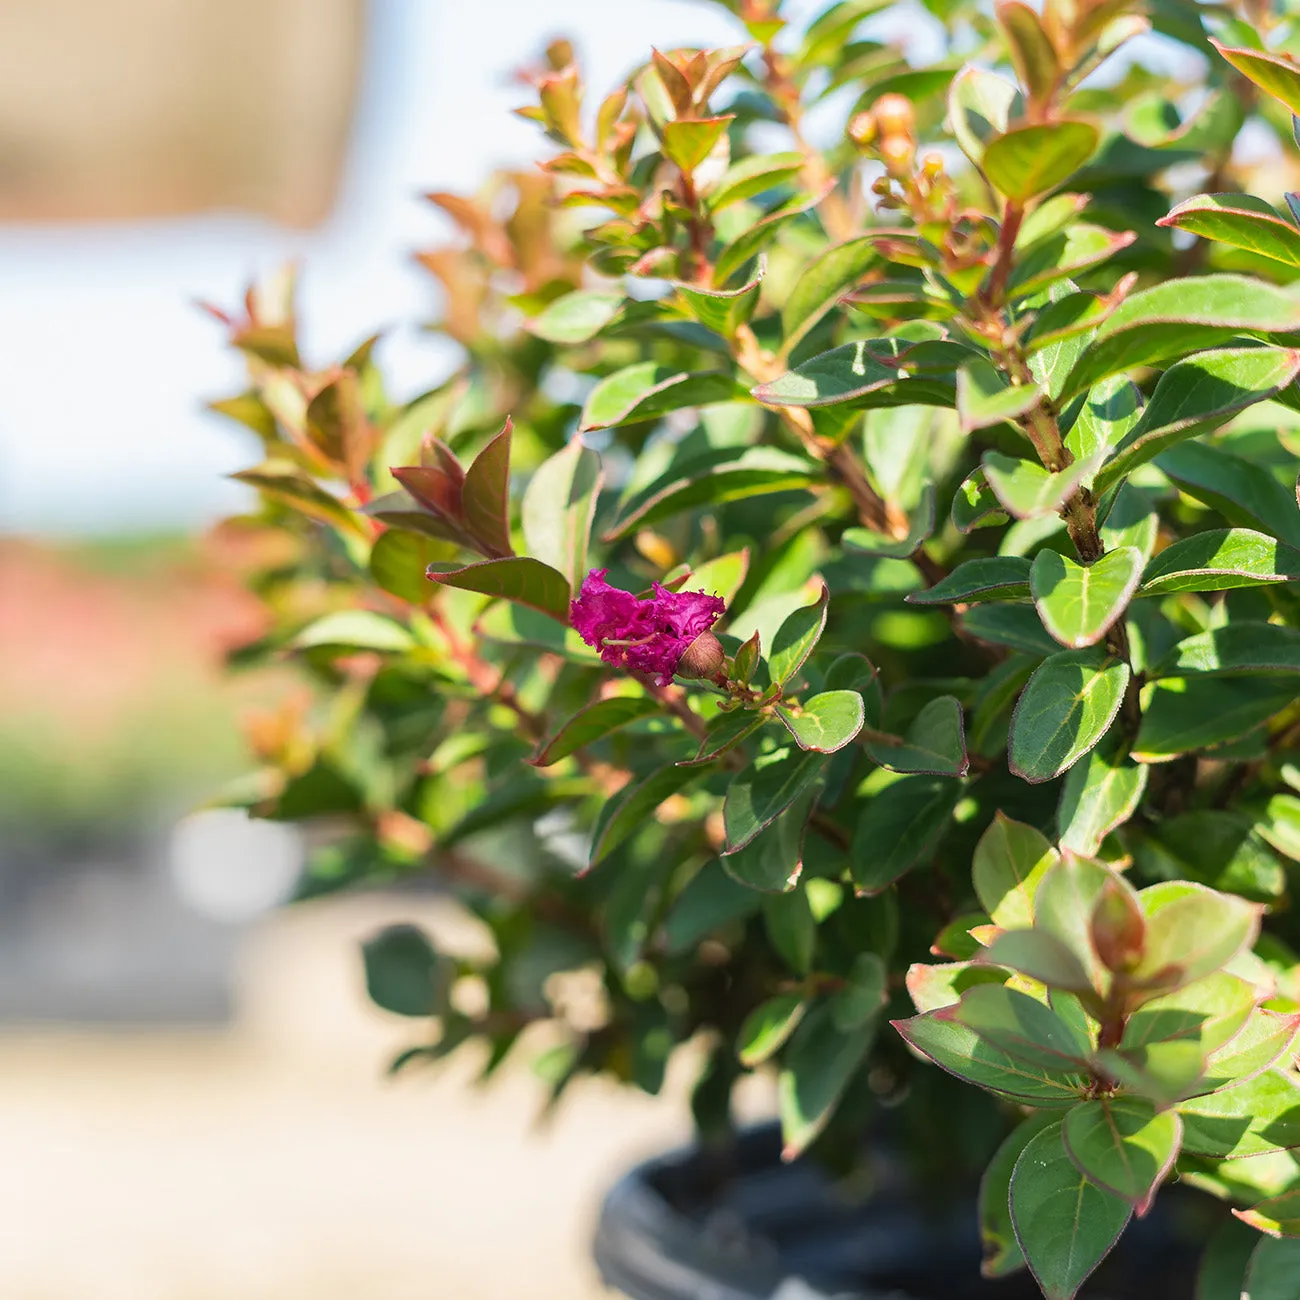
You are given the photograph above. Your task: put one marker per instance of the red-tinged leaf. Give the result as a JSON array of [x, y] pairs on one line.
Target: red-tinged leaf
[[517, 578], [486, 496], [432, 488], [1277, 74]]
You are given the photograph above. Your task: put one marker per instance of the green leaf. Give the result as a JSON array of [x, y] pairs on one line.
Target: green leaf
[[485, 496], [647, 390], [1069, 253], [985, 398], [932, 987], [1272, 1271], [1280, 825], [751, 176], [1067, 899], [864, 994], [721, 576], [576, 317], [979, 107], [934, 744], [1214, 848], [1245, 647], [1273, 73], [1098, 795], [1041, 956], [791, 929], [1267, 1040], [559, 506], [1065, 1224], [1279, 1216], [355, 629], [1080, 603], [818, 1064], [1222, 1274], [1022, 1027], [629, 810], [1242, 492], [402, 971], [1016, 626], [1009, 863], [870, 372], [1197, 395], [1027, 161], [1033, 55], [507, 624], [1183, 714], [758, 795], [1250, 1119], [1027, 490], [1240, 221], [518, 578], [823, 282], [1109, 411], [284, 482], [873, 543], [1194, 936], [689, 141], [961, 1052], [399, 561], [772, 861], [796, 638], [1176, 317], [725, 732], [826, 722], [975, 505], [1220, 559], [749, 243], [1002, 1254], [997, 577], [1208, 1012], [767, 1028], [594, 723], [900, 827], [1066, 708], [711, 900], [1123, 1145], [712, 479]]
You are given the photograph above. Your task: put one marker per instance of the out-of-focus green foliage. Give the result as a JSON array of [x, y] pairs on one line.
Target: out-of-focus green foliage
[[981, 421]]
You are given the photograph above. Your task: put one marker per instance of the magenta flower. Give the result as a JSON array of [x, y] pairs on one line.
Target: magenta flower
[[644, 636]]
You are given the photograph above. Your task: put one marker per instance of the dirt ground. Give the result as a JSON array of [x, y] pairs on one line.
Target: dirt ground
[[273, 1160]]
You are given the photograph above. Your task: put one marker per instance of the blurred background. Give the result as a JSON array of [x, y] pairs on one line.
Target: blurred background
[[192, 1093]]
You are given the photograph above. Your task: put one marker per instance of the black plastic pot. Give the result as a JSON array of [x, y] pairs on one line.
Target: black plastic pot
[[693, 1225]]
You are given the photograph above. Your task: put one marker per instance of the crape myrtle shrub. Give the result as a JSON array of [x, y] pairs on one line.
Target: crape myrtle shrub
[[841, 610]]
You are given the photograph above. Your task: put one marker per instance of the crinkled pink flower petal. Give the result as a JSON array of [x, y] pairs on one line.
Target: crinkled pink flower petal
[[649, 636]]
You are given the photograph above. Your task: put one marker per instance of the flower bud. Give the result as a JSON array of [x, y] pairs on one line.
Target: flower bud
[[704, 657], [894, 115], [1117, 927], [862, 129], [896, 151], [932, 166]]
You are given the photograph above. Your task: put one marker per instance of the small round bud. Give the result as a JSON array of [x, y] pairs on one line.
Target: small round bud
[[704, 657], [932, 166], [896, 152], [863, 129], [894, 114]]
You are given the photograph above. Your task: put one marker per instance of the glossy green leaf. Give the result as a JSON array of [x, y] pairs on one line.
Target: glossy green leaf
[[355, 629], [899, 828], [818, 1063], [712, 479], [1240, 221], [1279, 1216], [1196, 396], [975, 505], [1245, 647], [1040, 955], [864, 994], [1272, 1272], [725, 732], [646, 390], [689, 141], [1065, 1224], [961, 1052], [1208, 1012], [399, 561], [1280, 825], [934, 743], [629, 810], [576, 317], [773, 860], [1026, 490], [1176, 317], [1255, 1117], [1079, 603], [1015, 626], [1109, 411], [1002, 1254], [758, 795], [1278, 75], [979, 107], [920, 527], [1219, 559], [1027, 161], [1009, 863], [768, 1027], [985, 398], [1067, 707], [751, 176], [724, 310], [1123, 1145], [594, 723], [932, 987], [997, 577], [1070, 253], [503, 623], [1268, 1039], [1183, 714], [559, 506], [1033, 55], [826, 722], [1022, 1027], [1194, 936], [1222, 1274], [879, 372], [518, 578], [796, 638], [822, 283], [749, 243], [485, 496], [1098, 795], [1241, 491]]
